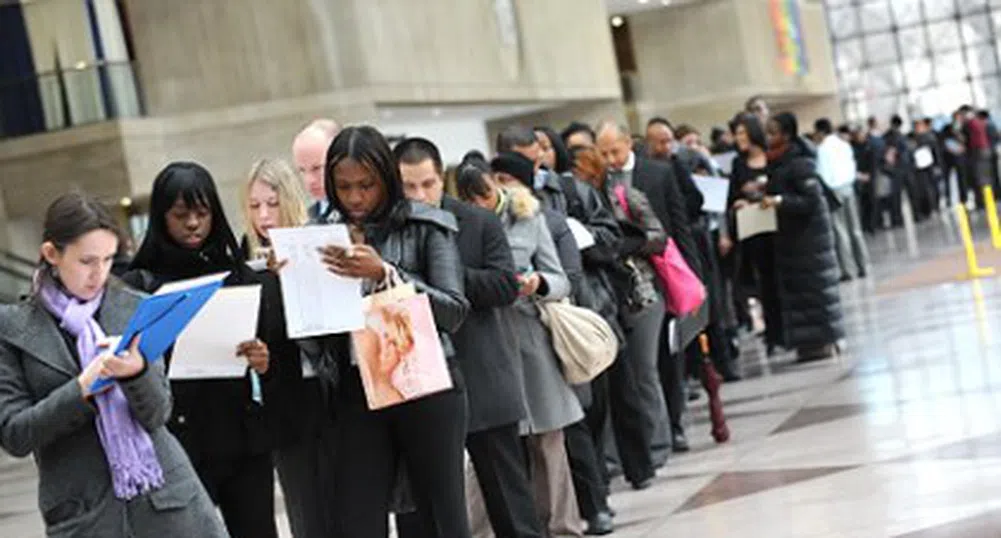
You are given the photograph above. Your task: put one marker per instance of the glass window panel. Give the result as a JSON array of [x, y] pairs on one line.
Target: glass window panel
[[944, 35], [913, 42], [844, 22], [886, 106], [996, 15], [972, 6], [875, 17], [907, 12], [848, 54], [974, 31], [918, 72], [944, 99], [991, 90], [982, 60], [880, 48], [885, 79], [939, 9], [950, 68]]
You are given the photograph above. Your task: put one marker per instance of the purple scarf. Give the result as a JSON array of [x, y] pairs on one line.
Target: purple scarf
[[128, 448]]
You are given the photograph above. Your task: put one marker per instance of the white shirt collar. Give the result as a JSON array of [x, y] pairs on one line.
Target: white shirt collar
[[630, 162]]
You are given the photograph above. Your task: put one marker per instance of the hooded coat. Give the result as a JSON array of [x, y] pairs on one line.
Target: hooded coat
[[805, 260]]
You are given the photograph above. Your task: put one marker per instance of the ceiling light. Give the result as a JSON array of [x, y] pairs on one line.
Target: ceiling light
[[125, 202], [436, 111], [617, 21], [644, 1], [665, 2]]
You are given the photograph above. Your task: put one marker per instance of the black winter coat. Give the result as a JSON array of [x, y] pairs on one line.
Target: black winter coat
[[485, 346], [805, 260]]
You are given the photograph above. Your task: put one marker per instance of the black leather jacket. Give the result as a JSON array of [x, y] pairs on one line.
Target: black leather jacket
[[421, 246], [424, 252]]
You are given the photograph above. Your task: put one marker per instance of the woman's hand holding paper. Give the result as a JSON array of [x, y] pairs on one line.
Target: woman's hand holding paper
[[257, 355]]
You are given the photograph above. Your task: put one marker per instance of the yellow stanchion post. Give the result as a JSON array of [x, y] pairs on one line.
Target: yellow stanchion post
[[973, 269], [992, 216]]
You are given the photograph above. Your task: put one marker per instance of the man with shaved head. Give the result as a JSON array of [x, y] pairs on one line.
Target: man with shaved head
[[309, 150], [657, 181]]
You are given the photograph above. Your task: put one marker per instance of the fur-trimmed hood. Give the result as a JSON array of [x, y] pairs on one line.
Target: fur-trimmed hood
[[521, 202]]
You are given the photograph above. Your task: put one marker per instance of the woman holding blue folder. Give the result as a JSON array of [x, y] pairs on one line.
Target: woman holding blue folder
[[222, 423], [107, 463]]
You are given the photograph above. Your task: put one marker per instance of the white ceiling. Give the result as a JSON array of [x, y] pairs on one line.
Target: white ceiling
[[623, 7]]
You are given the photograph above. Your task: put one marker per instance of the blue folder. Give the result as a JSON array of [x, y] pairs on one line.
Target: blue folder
[[159, 321]]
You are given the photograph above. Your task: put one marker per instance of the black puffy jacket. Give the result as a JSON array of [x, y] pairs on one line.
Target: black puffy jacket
[[805, 260]]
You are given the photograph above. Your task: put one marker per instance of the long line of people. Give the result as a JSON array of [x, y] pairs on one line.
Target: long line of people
[[152, 457]]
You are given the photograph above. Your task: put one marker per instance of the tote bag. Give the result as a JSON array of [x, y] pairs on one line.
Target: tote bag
[[684, 293], [584, 342], [399, 355]]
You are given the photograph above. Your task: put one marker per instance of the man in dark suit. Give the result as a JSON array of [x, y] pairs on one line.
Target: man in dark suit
[[484, 347], [657, 180], [309, 149]]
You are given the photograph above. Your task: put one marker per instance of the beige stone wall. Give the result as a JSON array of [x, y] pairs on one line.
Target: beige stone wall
[[698, 63], [195, 55], [217, 53], [687, 53]]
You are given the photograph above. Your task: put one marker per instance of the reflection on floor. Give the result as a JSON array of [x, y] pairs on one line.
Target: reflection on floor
[[900, 437]]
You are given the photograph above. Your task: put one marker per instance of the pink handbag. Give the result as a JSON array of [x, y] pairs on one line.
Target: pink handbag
[[684, 293]]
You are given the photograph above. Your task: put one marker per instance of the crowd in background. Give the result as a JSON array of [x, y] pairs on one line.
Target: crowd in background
[[490, 242]]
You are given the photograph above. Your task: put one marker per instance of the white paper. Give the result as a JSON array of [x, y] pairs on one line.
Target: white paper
[[725, 161], [317, 302], [714, 190], [181, 285], [753, 220], [207, 347], [258, 265], [581, 234], [923, 158]]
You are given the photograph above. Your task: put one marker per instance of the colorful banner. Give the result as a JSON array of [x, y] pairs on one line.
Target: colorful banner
[[788, 32]]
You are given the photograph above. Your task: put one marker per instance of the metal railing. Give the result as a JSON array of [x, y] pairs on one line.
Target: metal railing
[[68, 97]]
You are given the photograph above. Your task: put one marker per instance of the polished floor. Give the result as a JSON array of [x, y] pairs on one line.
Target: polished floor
[[899, 437]]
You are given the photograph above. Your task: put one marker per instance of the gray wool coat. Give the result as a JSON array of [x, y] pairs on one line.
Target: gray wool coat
[[43, 413], [550, 402]]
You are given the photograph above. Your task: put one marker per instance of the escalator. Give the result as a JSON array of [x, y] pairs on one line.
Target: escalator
[[15, 276]]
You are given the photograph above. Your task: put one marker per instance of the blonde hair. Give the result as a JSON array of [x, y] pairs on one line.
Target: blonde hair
[[279, 175]]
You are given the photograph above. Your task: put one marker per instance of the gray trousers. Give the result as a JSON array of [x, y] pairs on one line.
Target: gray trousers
[[643, 340], [848, 239]]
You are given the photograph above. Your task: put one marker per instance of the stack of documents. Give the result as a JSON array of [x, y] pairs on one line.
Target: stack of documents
[[753, 220], [317, 302]]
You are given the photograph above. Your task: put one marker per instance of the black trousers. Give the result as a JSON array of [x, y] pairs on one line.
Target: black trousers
[[305, 470], [586, 467], [243, 487], [672, 379], [426, 435], [760, 252], [498, 456], [632, 434]]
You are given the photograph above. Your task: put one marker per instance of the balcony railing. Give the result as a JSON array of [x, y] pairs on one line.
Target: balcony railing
[[68, 97]]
